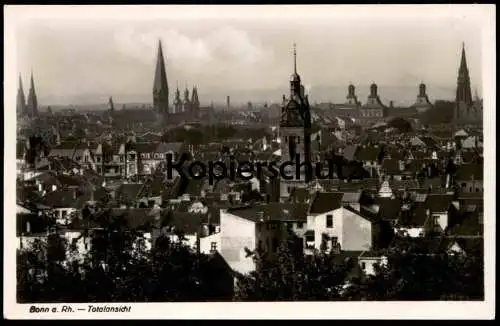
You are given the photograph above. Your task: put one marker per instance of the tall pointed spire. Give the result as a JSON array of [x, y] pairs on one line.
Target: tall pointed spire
[[111, 104], [195, 102], [295, 78], [21, 100], [294, 58], [186, 93], [160, 84], [32, 103], [177, 92], [194, 96], [177, 99], [464, 93]]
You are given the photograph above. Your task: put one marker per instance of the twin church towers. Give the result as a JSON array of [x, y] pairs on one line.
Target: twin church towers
[[26, 107], [161, 102]]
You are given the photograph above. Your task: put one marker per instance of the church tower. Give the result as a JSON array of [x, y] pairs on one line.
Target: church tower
[[186, 105], [21, 100], [32, 104], [195, 102], [111, 106], [466, 109], [422, 103], [464, 93], [160, 86], [352, 99], [295, 135], [177, 100]]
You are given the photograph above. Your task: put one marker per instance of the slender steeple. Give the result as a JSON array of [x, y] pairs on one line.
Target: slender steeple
[[21, 100], [464, 93], [32, 103], [187, 102], [295, 78], [294, 58], [194, 97], [177, 100], [186, 94], [160, 86], [195, 102], [111, 104]]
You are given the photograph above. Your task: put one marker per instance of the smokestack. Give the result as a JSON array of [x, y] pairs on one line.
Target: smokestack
[[228, 102]]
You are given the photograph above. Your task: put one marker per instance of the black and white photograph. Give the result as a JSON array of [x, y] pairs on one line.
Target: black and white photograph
[[232, 155]]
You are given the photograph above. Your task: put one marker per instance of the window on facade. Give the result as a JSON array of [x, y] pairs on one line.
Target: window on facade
[[363, 266], [329, 221], [477, 189], [98, 158], [435, 220], [300, 225], [64, 214], [310, 237], [213, 246]]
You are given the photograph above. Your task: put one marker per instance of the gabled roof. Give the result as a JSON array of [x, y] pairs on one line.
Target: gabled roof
[[271, 212], [325, 202], [389, 209], [136, 218], [188, 223], [438, 202], [352, 197]]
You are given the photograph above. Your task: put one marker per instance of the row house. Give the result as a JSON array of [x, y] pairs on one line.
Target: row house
[[132, 159], [427, 214]]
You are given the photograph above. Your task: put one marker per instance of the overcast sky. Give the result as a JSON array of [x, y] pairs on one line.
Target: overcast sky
[[111, 51]]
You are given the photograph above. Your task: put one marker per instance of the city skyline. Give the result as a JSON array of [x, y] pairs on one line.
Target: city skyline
[[244, 57]]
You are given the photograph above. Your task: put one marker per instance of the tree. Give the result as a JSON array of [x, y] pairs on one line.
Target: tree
[[414, 273], [400, 124], [289, 275]]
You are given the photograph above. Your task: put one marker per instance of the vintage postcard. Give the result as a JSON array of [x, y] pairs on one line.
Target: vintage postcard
[[249, 162]]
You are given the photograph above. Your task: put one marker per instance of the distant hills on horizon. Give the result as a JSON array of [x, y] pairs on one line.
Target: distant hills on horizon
[[400, 95]]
